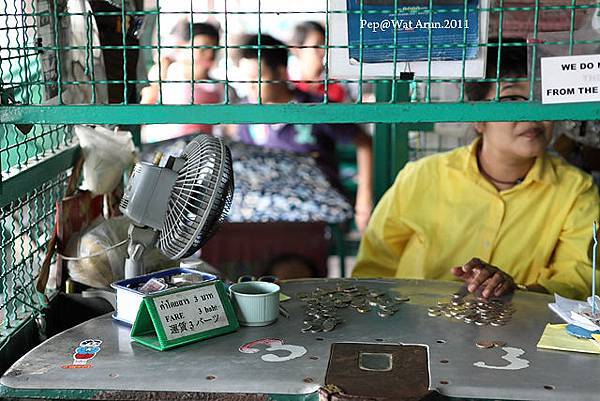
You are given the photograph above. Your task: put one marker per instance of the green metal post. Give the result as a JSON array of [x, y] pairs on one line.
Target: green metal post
[[381, 145], [399, 137]]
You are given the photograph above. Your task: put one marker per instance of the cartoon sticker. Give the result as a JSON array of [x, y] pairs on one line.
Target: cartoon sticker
[[512, 356], [83, 354], [273, 344]]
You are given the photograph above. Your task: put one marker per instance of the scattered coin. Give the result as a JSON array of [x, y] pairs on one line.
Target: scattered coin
[[499, 343], [329, 324], [484, 344]]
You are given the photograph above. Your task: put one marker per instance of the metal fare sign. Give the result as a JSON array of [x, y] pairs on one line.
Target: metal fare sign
[[189, 312], [571, 79]]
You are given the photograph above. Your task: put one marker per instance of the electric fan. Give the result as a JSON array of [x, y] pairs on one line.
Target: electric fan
[[177, 203]]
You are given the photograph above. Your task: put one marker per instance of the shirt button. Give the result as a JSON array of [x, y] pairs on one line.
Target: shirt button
[[486, 244]]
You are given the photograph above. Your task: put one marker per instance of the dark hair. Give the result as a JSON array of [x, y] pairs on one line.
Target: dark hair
[[274, 58], [513, 64], [302, 30], [182, 31]]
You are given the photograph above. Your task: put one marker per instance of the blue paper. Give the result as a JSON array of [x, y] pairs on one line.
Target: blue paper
[[411, 26]]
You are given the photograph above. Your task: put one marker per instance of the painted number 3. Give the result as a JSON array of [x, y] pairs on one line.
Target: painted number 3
[[512, 356], [273, 344]]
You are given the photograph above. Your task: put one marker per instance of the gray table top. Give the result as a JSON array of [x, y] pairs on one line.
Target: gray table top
[[217, 366]]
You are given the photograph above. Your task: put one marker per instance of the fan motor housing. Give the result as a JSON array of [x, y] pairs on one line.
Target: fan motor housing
[[146, 198]]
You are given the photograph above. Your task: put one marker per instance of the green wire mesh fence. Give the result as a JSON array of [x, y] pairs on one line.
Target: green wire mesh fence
[[26, 226], [447, 47]]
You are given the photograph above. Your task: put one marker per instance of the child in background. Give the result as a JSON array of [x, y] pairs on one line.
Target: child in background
[[184, 65], [306, 34], [317, 139]]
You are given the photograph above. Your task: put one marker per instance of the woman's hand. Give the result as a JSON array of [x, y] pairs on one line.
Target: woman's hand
[[481, 276]]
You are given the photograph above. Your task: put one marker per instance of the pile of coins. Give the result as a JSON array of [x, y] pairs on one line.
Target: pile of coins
[[321, 306], [479, 311]]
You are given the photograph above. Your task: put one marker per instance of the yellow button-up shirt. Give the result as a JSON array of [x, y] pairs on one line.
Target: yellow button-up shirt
[[441, 212]]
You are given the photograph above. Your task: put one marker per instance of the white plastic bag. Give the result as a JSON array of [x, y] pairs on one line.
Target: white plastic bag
[[107, 153], [96, 259]]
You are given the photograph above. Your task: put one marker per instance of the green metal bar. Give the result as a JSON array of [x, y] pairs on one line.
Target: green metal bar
[[14, 187], [399, 138], [381, 145], [70, 394], [298, 113]]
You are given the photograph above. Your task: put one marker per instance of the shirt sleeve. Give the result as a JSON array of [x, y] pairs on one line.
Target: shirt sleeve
[[387, 233], [570, 271]]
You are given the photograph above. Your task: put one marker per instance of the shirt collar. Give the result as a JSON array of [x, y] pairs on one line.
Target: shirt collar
[[466, 160]]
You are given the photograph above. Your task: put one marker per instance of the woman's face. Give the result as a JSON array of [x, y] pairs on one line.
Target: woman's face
[[516, 139]]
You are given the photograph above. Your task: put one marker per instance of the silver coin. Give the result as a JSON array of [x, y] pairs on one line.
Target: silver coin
[[448, 314], [434, 309], [363, 309], [479, 322], [497, 323], [468, 320], [306, 328], [434, 313], [329, 325], [383, 314]]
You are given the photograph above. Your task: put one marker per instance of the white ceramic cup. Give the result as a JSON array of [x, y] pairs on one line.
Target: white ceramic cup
[[256, 303]]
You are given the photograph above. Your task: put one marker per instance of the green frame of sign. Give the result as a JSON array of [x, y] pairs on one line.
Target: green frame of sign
[[148, 329]]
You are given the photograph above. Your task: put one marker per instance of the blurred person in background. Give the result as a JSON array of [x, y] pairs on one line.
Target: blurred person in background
[[185, 64], [314, 139], [310, 36]]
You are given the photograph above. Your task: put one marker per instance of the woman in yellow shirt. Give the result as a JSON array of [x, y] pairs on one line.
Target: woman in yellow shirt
[[511, 211]]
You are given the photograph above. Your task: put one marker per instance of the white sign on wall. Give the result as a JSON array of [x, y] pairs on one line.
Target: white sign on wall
[[571, 79]]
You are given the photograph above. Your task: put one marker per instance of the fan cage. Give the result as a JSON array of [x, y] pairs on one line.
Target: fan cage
[[200, 199]]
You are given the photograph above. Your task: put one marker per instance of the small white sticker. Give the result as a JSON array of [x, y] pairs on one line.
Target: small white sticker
[[191, 312], [273, 344], [571, 79], [512, 356], [295, 351]]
